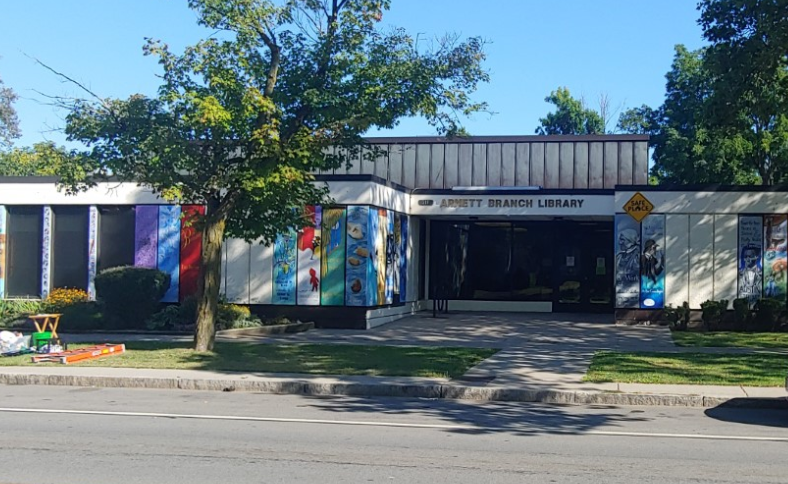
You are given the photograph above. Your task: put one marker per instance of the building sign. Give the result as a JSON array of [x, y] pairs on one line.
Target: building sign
[[638, 207], [556, 205]]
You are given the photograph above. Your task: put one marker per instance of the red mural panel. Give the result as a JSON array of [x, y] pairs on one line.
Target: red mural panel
[[191, 249]]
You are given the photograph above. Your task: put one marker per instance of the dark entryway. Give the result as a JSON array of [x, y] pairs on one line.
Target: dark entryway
[[566, 263]]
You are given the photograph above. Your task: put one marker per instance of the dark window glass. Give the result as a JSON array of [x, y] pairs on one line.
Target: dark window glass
[[116, 237], [70, 247], [532, 262], [23, 261], [422, 248]]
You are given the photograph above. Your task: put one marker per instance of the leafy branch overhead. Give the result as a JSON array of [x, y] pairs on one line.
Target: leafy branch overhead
[[280, 90]]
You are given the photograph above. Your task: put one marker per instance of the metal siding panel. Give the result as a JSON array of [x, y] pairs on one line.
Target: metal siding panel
[[261, 282], [382, 162], [701, 254], [409, 166], [611, 164], [238, 270], [465, 165], [508, 163], [640, 164], [395, 164], [355, 163], [676, 259], [625, 163], [479, 165], [596, 165], [581, 166], [423, 155], [367, 166], [552, 165], [566, 171], [726, 230], [494, 164], [436, 165], [451, 166], [327, 151], [537, 164], [522, 170]]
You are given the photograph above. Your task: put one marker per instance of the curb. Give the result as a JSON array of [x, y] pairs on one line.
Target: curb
[[266, 330], [434, 391]]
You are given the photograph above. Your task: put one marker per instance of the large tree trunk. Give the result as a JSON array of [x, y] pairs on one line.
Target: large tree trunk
[[213, 237]]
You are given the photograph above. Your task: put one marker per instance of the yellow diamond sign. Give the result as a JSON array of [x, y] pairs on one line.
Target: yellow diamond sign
[[638, 207]]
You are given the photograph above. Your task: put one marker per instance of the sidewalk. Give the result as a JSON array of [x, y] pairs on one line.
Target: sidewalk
[[542, 358]]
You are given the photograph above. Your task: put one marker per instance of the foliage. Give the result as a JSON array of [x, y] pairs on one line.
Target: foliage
[[749, 70], [678, 317], [713, 312], [767, 313], [82, 316], [729, 339], [243, 118], [43, 159], [130, 295], [570, 117], [9, 123], [742, 315], [184, 315], [63, 297], [14, 309], [168, 318], [230, 314]]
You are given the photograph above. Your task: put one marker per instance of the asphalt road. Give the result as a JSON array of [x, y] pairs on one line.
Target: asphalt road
[[68, 435]]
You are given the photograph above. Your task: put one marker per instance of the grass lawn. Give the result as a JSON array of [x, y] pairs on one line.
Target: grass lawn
[[730, 339], [761, 370], [312, 359]]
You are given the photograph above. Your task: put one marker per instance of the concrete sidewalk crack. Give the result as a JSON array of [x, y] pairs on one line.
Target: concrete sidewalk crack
[[744, 391]]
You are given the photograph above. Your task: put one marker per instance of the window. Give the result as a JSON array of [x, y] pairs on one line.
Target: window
[[70, 247], [116, 237], [24, 231]]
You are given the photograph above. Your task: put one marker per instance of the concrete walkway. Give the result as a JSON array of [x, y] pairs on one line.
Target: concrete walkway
[[543, 357]]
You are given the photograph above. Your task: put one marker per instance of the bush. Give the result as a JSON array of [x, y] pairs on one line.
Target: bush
[[228, 315], [767, 312], [82, 316], [63, 297], [14, 309], [167, 318], [678, 318], [742, 315], [713, 311], [131, 295]]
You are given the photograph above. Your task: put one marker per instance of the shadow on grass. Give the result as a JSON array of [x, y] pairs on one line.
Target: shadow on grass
[[316, 359], [522, 419], [755, 369]]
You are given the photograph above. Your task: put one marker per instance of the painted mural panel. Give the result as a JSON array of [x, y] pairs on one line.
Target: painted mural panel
[[373, 266], [380, 255], [309, 249], [92, 250], [627, 262], [2, 250], [358, 256], [391, 257], [332, 267], [652, 262], [169, 248], [750, 273], [46, 252], [396, 261], [775, 259], [146, 238], [191, 251], [403, 259], [285, 266]]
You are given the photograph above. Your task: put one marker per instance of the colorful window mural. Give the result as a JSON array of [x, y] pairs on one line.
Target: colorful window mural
[[332, 267], [285, 266], [750, 270], [652, 262], [309, 249], [627, 266], [358, 256]]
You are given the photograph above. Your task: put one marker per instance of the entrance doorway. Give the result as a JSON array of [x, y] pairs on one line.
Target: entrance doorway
[[584, 268], [566, 264]]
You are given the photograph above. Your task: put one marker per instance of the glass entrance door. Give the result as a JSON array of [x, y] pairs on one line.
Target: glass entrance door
[[584, 268]]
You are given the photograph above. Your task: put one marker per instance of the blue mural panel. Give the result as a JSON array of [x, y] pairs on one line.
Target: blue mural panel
[[374, 269], [392, 259], [168, 254], [357, 256], [652, 262], [627, 267], [750, 278], [285, 267]]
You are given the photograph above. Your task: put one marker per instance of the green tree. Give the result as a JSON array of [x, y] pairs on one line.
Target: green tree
[[9, 123], [570, 117], [687, 148], [243, 118], [748, 61], [42, 159]]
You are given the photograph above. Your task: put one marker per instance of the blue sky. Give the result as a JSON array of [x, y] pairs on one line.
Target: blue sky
[[622, 48]]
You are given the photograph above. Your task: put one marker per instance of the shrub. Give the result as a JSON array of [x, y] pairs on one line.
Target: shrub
[[742, 315], [678, 317], [63, 297], [228, 315], [82, 316], [14, 309], [713, 311], [131, 295], [767, 312], [167, 318]]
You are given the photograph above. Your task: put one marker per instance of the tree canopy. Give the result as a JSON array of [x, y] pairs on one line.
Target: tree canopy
[[42, 159], [244, 117], [9, 123], [571, 116]]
